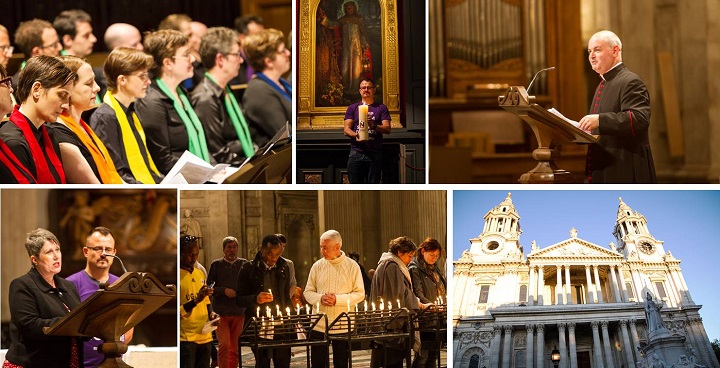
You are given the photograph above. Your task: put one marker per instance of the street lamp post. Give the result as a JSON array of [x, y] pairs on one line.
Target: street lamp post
[[555, 356]]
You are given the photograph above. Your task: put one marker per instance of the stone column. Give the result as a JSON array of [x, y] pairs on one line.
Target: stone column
[[568, 292], [495, 348], [627, 347], [606, 345], [590, 292], [563, 347], [684, 285], [507, 347], [626, 298], [674, 289], [573, 347], [541, 285], [529, 346], [676, 281], [634, 336], [540, 346], [598, 287], [558, 287], [637, 286], [531, 286], [614, 283], [597, 352]]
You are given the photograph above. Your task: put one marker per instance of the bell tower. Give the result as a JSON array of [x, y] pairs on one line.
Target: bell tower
[[633, 237], [501, 233]]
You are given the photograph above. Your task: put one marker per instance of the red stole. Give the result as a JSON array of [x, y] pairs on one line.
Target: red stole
[[8, 159], [44, 176]]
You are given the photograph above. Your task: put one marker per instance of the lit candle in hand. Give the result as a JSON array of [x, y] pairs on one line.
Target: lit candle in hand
[[399, 306], [362, 123]]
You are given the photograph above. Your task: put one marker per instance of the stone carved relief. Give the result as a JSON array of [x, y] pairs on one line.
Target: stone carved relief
[[253, 211], [477, 338], [252, 240]]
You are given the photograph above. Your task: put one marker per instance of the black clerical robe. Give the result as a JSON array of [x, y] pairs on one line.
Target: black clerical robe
[[622, 154]]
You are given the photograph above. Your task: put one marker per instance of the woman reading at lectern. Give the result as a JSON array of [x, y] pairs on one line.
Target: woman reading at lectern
[[40, 298]]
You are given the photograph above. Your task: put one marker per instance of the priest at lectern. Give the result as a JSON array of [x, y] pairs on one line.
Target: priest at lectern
[[39, 299], [620, 115]]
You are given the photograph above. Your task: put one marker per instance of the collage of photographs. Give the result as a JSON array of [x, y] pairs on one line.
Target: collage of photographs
[[376, 159]]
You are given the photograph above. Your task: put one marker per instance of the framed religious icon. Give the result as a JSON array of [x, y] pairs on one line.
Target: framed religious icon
[[340, 43]]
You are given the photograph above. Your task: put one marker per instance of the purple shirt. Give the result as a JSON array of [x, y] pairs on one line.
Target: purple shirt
[[86, 286], [377, 112]]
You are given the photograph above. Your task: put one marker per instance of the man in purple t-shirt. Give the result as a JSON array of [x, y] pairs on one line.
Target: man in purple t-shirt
[[365, 161], [97, 269]]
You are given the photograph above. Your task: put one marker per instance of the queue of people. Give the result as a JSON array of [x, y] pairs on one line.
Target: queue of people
[[132, 119], [236, 289]]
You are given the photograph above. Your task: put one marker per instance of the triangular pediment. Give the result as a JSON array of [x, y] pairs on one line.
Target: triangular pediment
[[574, 247]]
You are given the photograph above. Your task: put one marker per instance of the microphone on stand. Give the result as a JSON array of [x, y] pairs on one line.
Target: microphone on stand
[[118, 258], [536, 74]]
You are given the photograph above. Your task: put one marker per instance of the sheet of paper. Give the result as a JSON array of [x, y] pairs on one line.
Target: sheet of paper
[[553, 111]]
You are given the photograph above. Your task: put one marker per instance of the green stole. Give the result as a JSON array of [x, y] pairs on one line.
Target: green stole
[[238, 120], [196, 135]]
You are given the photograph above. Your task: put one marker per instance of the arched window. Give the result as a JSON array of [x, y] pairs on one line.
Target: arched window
[[474, 361], [523, 294]]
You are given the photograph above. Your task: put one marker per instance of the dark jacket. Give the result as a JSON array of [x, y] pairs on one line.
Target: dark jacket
[[423, 281], [266, 111], [165, 133], [225, 276], [622, 154], [35, 304], [208, 100], [250, 284]]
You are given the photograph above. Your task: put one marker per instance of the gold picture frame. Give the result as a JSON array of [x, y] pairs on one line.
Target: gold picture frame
[[310, 115]]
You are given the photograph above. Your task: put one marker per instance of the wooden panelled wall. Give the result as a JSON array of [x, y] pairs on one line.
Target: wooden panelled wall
[[475, 43]]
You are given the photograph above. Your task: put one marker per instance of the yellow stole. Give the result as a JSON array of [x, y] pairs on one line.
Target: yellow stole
[[103, 161], [140, 170]]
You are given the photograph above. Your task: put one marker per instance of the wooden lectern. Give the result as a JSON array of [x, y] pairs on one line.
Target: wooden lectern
[[550, 130], [112, 311]]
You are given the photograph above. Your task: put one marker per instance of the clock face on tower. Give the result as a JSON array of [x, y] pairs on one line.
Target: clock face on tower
[[647, 247]]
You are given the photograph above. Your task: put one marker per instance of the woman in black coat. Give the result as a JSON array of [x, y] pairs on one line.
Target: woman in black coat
[[38, 299], [429, 286]]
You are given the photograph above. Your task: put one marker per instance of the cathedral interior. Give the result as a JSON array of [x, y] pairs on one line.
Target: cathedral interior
[[480, 48]]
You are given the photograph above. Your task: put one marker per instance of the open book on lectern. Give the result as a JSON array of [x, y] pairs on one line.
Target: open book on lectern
[[191, 169]]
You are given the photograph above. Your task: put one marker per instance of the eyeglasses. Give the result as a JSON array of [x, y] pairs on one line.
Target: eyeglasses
[[367, 88], [7, 82], [107, 250], [55, 44], [7, 49], [188, 56], [143, 76], [234, 54]]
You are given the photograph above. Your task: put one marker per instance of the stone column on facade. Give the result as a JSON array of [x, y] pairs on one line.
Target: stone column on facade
[[558, 287], [598, 286], [495, 348], [563, 347], [573, 346], [627, 347], [674, 289], [703, 346], [671, 291], [676, 281], [614, 283], [597, 350], [541, 285], [590, 293], [606, 345], [634, 336], [625, 296], [540, 346], [507, 346], [637, 286], [568, 292], [531, 286], [529, 346], [684, 285]]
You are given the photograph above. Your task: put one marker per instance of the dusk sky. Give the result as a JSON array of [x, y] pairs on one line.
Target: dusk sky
[[688, 223]]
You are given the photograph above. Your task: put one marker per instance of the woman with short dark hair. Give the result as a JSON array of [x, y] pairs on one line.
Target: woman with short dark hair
[[169, 120], [39, 299], [44, 89], [115, 121]]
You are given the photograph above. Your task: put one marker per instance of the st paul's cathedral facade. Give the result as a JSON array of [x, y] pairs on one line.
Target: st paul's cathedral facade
[[584, 300]]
